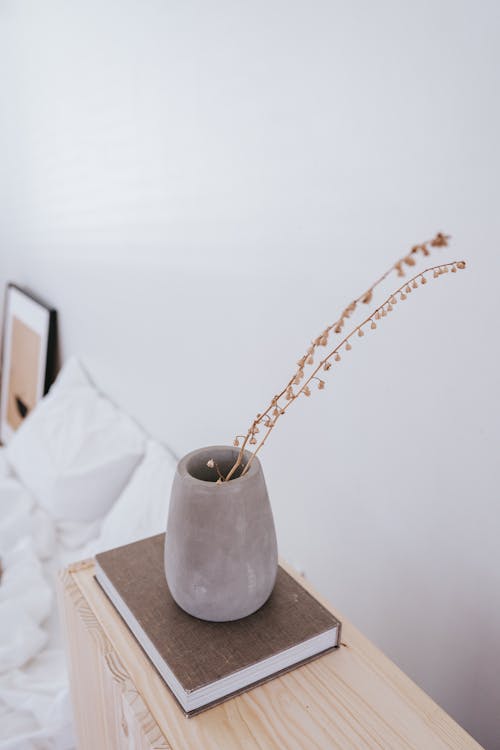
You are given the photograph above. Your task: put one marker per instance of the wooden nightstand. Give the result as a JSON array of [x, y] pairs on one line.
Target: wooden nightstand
[[352, 698]]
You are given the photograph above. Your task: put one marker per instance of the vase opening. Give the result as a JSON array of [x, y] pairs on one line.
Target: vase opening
[[223, 457]]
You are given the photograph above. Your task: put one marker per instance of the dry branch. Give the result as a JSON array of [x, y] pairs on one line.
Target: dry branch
[[281, 402]]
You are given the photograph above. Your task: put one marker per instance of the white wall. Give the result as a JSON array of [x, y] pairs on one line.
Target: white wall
[[200, 187]]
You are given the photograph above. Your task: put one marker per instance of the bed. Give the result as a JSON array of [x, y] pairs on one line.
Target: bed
[[78, 477]]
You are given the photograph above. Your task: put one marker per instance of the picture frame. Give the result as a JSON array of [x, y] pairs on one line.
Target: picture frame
[[28, 358]]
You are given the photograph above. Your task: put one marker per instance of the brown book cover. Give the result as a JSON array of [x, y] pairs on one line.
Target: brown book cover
[[203, 662]]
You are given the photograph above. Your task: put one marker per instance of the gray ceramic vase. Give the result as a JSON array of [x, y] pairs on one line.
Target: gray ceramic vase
[[221, 556]]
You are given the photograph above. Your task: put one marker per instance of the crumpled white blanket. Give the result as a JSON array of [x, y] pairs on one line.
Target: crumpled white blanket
[[35, 711], [25, 602]]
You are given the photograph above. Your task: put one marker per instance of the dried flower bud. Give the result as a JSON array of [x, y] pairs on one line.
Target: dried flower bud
[[393, 300], [338, 328], [348, 346], [360, 332], [252, 441], [403, 296], [337, 357], [389, 307], [373, 325], [327, 366], [301, 362], [306, 391], [276, 411], [236, 443], [377, 315], [210, 463], [440, 240], [399, 268], [408, 289], [367, 297], [461, 264], [409, 260], [383, 312], [298, 377], [321, 385], [310, 359], [423, 280], [350, 308], [323, 340], [435, 274], [289, 393], [453, 269], [414, 284]]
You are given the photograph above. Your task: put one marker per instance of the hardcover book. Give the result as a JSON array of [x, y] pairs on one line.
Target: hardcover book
[[204, 663]]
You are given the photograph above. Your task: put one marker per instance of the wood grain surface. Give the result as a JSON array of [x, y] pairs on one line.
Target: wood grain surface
[[354, 697]]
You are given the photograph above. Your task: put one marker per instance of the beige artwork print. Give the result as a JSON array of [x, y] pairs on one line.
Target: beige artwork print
[[23, 373]]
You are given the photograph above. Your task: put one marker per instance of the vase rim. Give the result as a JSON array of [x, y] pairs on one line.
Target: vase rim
[[182, 469]]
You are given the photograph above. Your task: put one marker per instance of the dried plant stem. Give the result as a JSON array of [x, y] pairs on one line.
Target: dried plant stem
[[272, 410], [387, 305]]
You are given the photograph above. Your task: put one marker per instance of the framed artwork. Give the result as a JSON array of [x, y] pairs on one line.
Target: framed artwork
[[28, 357]]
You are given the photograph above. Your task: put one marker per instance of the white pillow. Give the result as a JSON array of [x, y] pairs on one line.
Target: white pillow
[[76, 450], [141, 510]]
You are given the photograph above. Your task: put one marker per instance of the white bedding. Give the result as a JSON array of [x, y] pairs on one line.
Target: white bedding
[[35, 711]]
